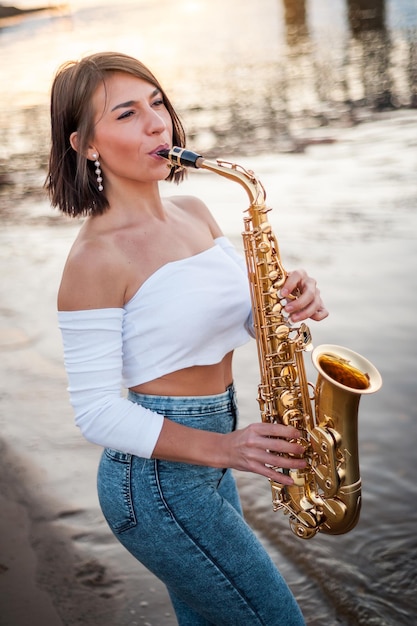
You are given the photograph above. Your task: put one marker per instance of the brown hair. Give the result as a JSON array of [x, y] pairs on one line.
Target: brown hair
[[71, 181]]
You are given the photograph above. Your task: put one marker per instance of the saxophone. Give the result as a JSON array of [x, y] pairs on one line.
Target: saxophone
[[326, 495]]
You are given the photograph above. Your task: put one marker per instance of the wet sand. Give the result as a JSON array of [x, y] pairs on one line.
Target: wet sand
[[56, 551], [59, 564]]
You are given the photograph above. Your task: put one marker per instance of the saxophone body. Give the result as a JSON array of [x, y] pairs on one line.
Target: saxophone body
[[326, 495]]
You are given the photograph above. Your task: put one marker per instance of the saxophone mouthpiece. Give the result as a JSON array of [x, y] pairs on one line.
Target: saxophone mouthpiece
[[181, 157]]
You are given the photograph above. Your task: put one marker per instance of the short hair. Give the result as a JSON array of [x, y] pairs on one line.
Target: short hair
[[71, 180]]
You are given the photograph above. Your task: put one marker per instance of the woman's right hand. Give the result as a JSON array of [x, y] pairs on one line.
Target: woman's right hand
[[261, 446], [258, 448]]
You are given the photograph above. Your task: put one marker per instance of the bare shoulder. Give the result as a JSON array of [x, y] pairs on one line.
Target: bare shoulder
[[196, 208], [93, 276]]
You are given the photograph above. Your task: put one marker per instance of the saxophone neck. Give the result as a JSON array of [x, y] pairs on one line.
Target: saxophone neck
[[180, 157], [237, 173]]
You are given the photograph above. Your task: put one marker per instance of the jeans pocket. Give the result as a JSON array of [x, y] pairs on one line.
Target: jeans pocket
[[115, 491]]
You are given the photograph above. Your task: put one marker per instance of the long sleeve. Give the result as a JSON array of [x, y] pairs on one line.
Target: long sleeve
[[92, 341]]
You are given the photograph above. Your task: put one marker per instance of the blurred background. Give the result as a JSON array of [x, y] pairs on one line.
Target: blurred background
[[319, 97], [247, 77]]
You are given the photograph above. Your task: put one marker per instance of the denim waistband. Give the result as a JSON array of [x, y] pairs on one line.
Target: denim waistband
[[187, 405]]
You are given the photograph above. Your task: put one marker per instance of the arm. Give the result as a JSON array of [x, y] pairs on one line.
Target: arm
[[93, 360], [92, 341], [90, 316], [248, 449]]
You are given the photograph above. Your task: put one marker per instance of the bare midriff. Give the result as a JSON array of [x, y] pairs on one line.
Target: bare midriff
[[199, 380]]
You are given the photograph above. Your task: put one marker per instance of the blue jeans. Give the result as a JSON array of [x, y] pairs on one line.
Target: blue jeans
[[184, 523]]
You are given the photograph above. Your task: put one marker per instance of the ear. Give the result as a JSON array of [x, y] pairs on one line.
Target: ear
[[74, 141], [75, 145]]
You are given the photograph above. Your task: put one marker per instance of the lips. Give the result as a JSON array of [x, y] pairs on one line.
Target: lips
[[163, 146]]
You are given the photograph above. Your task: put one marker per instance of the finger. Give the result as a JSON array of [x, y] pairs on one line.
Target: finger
[[271, 469], [282, 446], [309, 297], [313, 311], [304, 313], [295, 279], [309, 305], [307, 292], [277, 476], [269, 429], [287, 460], [268, 471], [320, 314]]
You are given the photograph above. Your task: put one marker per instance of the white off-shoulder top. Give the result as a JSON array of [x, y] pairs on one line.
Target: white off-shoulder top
[[189, 312]]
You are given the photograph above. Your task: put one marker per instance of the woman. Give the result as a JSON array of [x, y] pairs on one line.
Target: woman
[[154, 299]]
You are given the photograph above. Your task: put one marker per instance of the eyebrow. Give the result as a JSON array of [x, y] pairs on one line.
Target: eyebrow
[[130, 103]]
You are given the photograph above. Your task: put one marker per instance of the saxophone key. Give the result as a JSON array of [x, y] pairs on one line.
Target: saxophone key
[[276, 310], [287, 375], [305, 526], [305, 338], [264, 247], [265, 227], [288, 399], [325, 463], [282, 331]]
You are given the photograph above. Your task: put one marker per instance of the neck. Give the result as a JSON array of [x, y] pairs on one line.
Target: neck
[[133, 201]]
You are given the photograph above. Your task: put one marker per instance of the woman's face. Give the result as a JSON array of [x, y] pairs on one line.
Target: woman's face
[[131, 125]]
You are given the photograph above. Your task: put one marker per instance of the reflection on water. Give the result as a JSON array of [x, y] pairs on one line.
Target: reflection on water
[[246, 77], [262, 76]]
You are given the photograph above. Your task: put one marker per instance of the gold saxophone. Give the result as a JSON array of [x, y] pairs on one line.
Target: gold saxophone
[[326, 495]]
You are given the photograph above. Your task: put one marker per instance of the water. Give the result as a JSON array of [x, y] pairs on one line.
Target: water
[[323, 112], [246, 76]]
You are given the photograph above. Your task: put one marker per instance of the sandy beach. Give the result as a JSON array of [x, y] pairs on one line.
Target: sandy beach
[[59, 564]]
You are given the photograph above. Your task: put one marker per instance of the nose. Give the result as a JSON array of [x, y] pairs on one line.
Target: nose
[[155, 122]]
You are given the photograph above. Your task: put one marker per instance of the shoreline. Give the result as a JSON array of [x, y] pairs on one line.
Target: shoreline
[[59, 563], [44, 579], [18, 561]]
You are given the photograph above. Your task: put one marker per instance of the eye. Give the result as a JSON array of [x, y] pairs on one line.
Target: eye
[[157, 103], [125, 115]]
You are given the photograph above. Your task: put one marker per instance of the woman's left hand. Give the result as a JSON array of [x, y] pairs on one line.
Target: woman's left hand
[[308, 302]]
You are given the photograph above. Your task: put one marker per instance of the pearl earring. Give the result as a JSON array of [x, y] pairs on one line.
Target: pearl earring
[[98, 172]]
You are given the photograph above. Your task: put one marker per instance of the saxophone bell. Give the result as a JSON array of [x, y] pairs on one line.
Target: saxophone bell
[[346, 369], [343, 377]]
